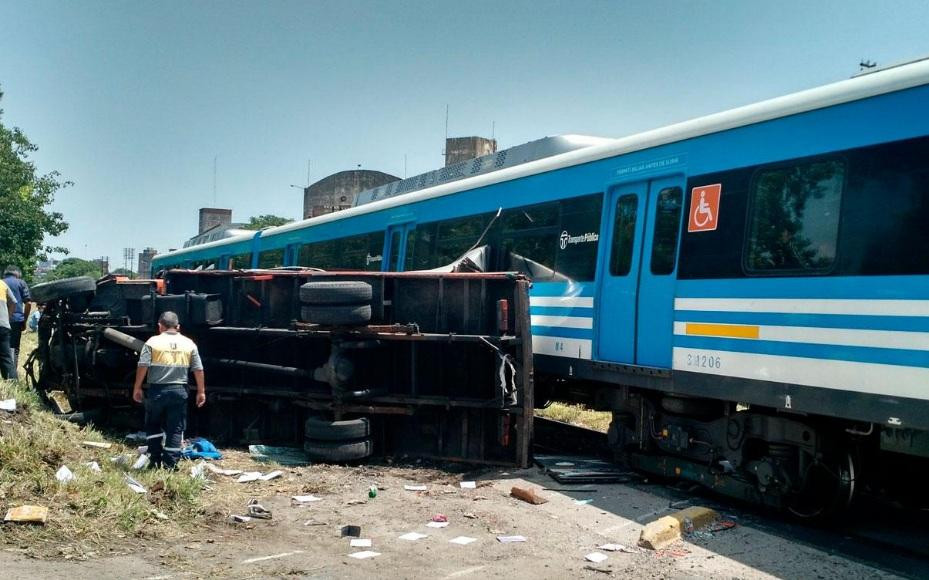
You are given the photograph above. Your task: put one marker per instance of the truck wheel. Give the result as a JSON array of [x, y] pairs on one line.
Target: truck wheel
[[58, 289], [336, 292], [336, 315], [324, 430], [337, 451]]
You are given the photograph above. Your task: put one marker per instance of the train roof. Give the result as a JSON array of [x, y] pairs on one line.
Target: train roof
[[888, 80]]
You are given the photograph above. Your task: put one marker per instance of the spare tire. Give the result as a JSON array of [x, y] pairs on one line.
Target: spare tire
[[64, 288], [337, 451], [336, 292], [350, 315], [326, 430]]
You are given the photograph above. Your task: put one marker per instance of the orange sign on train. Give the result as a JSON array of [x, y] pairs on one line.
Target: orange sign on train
[[704, 208]]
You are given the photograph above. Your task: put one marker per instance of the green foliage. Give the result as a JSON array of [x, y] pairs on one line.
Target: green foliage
[[265, 221], [24, 198], [124, 272], [71, 267]]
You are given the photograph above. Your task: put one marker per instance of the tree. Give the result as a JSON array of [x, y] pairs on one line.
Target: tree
[[265, 221], [71, 267], [124, 272], [24, 198]]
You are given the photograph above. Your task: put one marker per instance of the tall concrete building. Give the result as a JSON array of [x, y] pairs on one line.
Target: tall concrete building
[[458, 149], [338, 191], [145, 262], [210, 217]]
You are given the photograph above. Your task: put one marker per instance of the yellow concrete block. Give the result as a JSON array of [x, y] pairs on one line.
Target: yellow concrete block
[[665, 530]]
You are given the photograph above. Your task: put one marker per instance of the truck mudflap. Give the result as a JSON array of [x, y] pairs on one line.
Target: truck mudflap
[[347, 365]]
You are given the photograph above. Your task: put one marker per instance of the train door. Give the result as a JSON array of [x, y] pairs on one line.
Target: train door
[[619, 274], [394, 247], [657, 273]]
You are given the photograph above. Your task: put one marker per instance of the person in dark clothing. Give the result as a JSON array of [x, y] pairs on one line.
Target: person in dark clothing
[[13, 277], [166, 359]]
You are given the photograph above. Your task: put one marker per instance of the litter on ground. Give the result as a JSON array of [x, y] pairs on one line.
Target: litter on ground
[[97, 444], [8, 405], [527, 495], [272, 475], [304, 499], [415, 487], [27, 514], [256, 510], [134, 485], [93, 466], [360, 543], [510, 539], [582, 501], [413, 536], [462, 540], [595, 557], [468, 485], [142, 462], [437, 525], [64, 475], [239, 519], [351, 531], [364, 555], [221, 471], [618, 548], [249, 476]]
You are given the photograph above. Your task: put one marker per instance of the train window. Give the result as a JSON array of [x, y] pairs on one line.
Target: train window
[[271, 258], [576, 257], [323, 255], [530, 240], [624, 235], [240, 261], [420, 248], [456, 237], [362, 252], [667, 226], [794, 218]]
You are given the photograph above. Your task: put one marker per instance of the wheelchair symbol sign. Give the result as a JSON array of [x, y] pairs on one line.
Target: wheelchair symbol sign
[[704, 208]]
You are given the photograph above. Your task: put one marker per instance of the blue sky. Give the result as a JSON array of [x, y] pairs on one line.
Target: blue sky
[[132, 100]]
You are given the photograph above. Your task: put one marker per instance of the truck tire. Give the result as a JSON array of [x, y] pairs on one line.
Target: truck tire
[[325, 430], [337, 451], [343, 315], [336, 292], [64, 288]]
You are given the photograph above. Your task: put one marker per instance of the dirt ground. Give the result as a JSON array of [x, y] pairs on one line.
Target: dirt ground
[[305, 540]]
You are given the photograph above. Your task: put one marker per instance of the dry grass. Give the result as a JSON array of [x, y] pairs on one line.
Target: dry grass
[[577, 415], [97, 508]]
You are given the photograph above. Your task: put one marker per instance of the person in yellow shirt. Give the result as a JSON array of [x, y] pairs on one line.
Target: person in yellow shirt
[[7, 306]]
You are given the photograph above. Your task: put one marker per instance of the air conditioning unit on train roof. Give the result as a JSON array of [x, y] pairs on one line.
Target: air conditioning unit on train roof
[[531, 151]]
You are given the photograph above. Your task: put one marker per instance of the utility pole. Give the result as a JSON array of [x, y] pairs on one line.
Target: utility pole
[[214, 180]]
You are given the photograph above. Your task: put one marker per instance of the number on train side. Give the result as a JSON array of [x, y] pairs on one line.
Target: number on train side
[[704, 361]]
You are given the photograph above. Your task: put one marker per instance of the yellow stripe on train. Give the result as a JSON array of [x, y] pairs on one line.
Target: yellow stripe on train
[[724, 330]]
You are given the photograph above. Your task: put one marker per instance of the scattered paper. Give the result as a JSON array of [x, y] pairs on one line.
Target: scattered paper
[[97, 444], [8, 405], [249, 476], [468, 485], [305, 498], [239, 519], [415, 487], [64, 475], [93, 466], [197, 470], [221, 471], [413, 536], [462, 540], [595, 557], [510, 539], [142, 462], [364, 555], [134, 485], [360, 543], [272, 475], [27, 514], [437, 525], [470, 516]]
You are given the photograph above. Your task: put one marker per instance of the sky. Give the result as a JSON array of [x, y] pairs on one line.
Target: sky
[[132, 101]]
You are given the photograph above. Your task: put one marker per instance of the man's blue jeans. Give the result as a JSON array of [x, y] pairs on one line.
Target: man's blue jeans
[[165, 421]]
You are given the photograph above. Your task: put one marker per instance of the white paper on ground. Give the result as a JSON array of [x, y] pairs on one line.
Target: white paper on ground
[[96, 444], [617, 548], [64, 475], [364, 555], [197, 470], [415, 487], [8, 405], [271, 475], [305, 498], [596, 557], [413, 536], [468, 485], [249, 476], [134, 485], [360, 543], [462, 540], [141, 462], [221, 471], [437, 525], [510, 539], [93, 465]]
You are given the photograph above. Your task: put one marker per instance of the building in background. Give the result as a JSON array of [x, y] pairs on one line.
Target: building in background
[[145, 262], [338, 191], [215, 224], [211, 217], [103, 262], [458, 149]]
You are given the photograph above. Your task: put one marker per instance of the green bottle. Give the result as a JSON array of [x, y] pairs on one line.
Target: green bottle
[[372, 491]]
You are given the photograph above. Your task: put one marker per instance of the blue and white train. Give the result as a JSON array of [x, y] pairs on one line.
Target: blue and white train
[[748, 292]]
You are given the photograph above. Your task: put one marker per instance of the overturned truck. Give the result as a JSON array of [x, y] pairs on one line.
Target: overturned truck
[[348, 365]]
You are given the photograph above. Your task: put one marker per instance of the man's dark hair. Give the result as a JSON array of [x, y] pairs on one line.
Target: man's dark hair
[[168, 319], [12, 270]]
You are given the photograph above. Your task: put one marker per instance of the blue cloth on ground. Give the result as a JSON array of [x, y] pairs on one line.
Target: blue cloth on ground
[[200, 448]]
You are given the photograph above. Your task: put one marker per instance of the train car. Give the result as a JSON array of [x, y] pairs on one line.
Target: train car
[[748, 292]]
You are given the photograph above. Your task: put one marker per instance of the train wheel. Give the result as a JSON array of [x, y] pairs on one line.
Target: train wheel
[[828, 487]]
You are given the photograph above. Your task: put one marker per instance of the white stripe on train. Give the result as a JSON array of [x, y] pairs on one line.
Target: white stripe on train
[[806, 306], [900, 339]]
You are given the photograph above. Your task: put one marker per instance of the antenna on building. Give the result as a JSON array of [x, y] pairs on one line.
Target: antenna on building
[[404, 166], [445, 151], [493, 129], [308, 172], [214, 180]]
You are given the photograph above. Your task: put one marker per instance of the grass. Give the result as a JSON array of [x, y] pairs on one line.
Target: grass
[[578, 415], [96, 509]]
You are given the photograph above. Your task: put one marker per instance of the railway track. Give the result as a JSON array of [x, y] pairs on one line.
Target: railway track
[[876, 531]]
